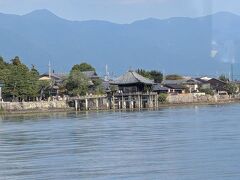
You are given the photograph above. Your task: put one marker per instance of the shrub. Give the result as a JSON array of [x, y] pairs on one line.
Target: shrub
[[162, 98], [207, 91]]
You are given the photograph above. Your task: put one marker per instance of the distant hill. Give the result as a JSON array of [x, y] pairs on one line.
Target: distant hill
[[182, 45]]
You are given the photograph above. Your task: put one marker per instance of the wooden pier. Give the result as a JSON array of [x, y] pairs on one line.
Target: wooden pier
[[117, 101], [90, 102], [134, 100]]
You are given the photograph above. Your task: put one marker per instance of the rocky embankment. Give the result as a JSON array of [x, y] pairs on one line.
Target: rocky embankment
[[34, 106], [198, 98]]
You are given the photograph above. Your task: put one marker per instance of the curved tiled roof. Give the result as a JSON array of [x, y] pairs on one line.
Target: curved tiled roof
[[132, 77]]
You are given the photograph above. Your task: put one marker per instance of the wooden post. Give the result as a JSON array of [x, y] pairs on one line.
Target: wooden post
[[76, 105], [131, 104], [139, 101], [156, 101], [122, 102], [86, 103], [150, 101], [119, 104], [1, 94], [97, 104], [113, 102]]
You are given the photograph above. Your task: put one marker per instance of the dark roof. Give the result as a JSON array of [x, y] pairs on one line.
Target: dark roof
[[132, 77], [193, 81], [90, 74], [216, 81], [174, 86], [159, 87], [106, 86], [217, 84], [180, 81]]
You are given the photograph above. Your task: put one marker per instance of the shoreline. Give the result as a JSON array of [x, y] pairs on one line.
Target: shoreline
[[71, 110]]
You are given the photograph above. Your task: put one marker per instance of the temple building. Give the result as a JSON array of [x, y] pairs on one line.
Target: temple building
[[134, 91]]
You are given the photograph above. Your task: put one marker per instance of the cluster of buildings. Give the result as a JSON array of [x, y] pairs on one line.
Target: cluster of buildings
[[191, 85], [131, 90], [131, 82]]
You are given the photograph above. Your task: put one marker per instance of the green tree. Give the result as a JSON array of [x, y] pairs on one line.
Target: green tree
[[98, 87], [207, 91], [157, 76], [83, 67], [20, 82], [35, 71], [231, 88], [223, 78], [162, 98], [173, 77], [44, 88], [77, 84]]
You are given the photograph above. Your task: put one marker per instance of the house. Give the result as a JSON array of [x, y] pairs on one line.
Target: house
[[91, 75], [54, 77], [204, 84], [93, 78], [212, 83], [176, 88], [180, 86], [193, 85], [217, 84], [132, 82], [158, 88], [106, 86], [56, 81]]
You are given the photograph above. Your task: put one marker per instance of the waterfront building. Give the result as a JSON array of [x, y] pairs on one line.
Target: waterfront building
[[134, 91]]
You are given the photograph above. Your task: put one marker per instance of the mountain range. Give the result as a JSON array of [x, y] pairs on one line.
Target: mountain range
[[190, 46]]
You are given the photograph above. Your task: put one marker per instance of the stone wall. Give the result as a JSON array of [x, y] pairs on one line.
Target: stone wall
[[196, 98], [41, 105]]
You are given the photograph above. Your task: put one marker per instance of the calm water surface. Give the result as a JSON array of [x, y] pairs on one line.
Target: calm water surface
[[199, 142]]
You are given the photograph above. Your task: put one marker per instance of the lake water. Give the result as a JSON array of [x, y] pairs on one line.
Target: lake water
[[197, 142]]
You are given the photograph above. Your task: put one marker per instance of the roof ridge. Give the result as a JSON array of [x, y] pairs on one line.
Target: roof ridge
[[133, 73]]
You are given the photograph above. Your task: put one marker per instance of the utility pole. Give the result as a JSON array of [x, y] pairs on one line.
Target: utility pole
[[232, 77]]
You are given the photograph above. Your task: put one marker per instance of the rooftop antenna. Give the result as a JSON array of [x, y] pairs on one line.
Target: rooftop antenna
[[106, 73], [164, 75], [49, 69], [232, 71]]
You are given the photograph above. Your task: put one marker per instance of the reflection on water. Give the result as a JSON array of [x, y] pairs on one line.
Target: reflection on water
[[172, 143]]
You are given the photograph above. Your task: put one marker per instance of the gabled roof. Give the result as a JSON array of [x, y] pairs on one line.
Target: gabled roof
[[159, 87], [180, 81], [216, 81], [90, 74], [52, 76], [175, 86], [202, 80], [132, 77]]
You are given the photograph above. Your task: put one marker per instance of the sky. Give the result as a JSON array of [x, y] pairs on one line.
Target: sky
[[121, 11]]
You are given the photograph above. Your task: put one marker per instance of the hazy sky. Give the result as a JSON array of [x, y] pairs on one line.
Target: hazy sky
[[121, 11]]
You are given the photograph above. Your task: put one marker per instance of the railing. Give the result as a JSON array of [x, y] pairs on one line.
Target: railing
[[135, 94], [87, 97]]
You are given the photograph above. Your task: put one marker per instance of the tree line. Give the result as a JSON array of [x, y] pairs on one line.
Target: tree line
[[22, 83]]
